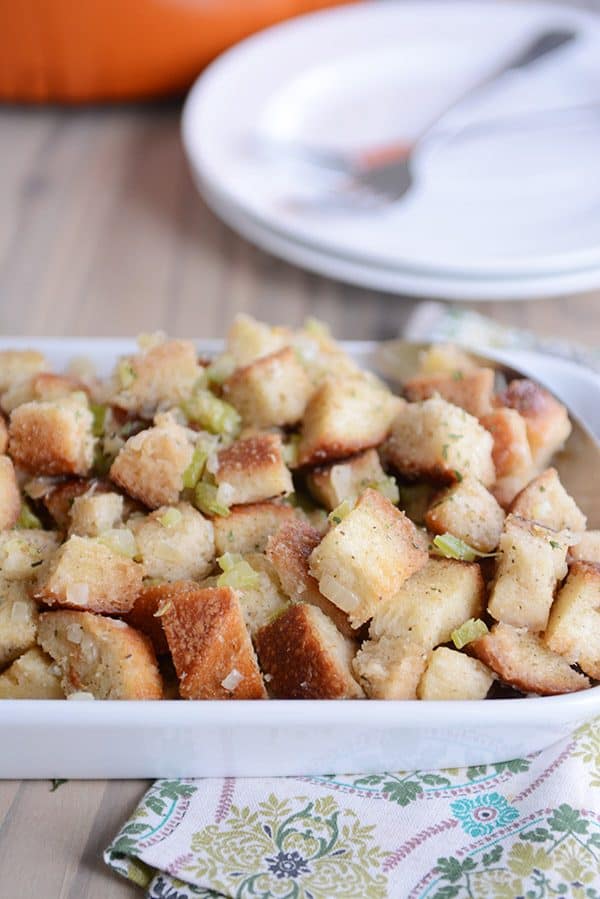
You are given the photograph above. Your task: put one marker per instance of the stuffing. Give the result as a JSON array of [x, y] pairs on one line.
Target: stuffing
[[31, 676], [252, 470], [101, 656], [10, 495], [271, 391], [468, 511], [366, 558], [390, 668], [210, 645], [531, 563], [331, 484], [247, 528], [304, 656], [470, 390], [41, 387], [53, 437], [85, 573], [18, 621], [454, 675], [546, 501], [432, 603], [521, 659], [261, 603], [24, 553], [93, 513], [249, 339], [441, 442], [344, 417], [18, 365], [175, 543], [151, 464], [511, 453], [587, 547], [546, 419], [574, 625], [159, 377]]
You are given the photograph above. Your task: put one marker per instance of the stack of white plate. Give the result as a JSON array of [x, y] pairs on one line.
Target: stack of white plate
[[505, 202]]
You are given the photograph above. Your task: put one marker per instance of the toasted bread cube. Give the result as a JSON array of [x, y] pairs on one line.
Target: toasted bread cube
[[304, 656], [10, 496], [521, 659], [101, 656], [587, 548], [511, 452], [331, 484], [271, 391], [468, 511], [18, 621], [160, 377], [547, 420], [344, 417], [546, 501], [390, 668], [3, 435], [145, 614], [322, 356], [367, 557], [432, 603], [471, 390], [53, 437], [262, 603], [289, 552], [211, 648], [179, 549], [440, 442], [447, 359], [58, 498], [574, 625], [151, 464], [43, 387], [31, 676], [247, 528], [18, 365], [532, 561], [249, 339], [24, 554], [252, 470], [454, 675], [94, 513], [86, 574]]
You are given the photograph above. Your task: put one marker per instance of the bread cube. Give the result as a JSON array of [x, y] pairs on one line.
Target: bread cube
[[249, 339], [468, 511], [432, 603], [101, 656], [546, 501], [58, 497], [247, 528], [441, 442], [10, 495], [252, 470], [454, 675], [532, 561], [304, 656], [390, 668], [175, 543], [262, 603], [546, 419], [521, 659], [151, 464], [331, 484], [574, 625], [44, 387], [94, 513], [145, 614], [289, 552], [31, 676], [54, 437], [3, 435], [210, 645], [18, 365], [321, 356], [471, 390], [18, 621], [511, 453], [587, 547], [24, 553], [86, 574], [367, 557], [445, 358], [159, 377], [344, 417], [270, 392]]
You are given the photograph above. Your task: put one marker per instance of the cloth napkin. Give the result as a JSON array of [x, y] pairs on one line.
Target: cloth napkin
[[523, 828]]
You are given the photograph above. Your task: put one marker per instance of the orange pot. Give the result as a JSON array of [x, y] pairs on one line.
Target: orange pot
[[76, 51]]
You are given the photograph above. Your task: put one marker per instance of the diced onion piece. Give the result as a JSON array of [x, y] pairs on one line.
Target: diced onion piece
[[233, 679], [451, 547], [205, 499], [194, 471], [471, 630], [77, 595], [74, 633], [39, 487], [341, 596], [213, 414], [289, 451], [220, 369], [237, 573], [171, 518], [340, 512], [27, 519], [163, 609], [225, 494], [121, 541], [20, 611]]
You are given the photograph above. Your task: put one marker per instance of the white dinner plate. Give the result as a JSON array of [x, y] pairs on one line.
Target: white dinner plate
[[495, 205]]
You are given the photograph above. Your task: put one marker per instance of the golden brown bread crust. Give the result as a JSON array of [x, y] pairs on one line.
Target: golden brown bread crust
[[161, 376], [209, 643], [547, 421], [331, 484], [150, 600], [546, 501], [574, 624], [3, 434], [271, 391], [468, 511], [254, 469], [10, 496], [511, 452], [471, 390], [248, 527], [301, 661], [52, 438], [59, 499]]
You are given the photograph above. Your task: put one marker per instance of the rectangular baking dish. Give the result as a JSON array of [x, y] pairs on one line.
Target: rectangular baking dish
[[43, 739]]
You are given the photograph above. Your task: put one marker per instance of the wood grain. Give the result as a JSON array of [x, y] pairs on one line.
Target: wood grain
[[102, 233]]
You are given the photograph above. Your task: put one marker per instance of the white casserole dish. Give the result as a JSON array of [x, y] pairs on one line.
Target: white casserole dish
[[42, 739]]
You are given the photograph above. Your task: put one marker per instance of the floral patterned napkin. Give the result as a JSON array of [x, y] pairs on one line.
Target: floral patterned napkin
[[526, 828]]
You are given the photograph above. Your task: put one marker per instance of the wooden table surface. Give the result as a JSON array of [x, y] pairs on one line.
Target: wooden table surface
[[102, 233]]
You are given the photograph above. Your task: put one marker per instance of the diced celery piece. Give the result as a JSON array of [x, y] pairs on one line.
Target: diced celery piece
[[126, 373], [387, 487], [195, 469], [205, 499], [27, 519], [340, 512], [211, 413], [220, 369], [99, 413], [471, 630], [451, 547], [171, 518], [237, 573], [316, 327]]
